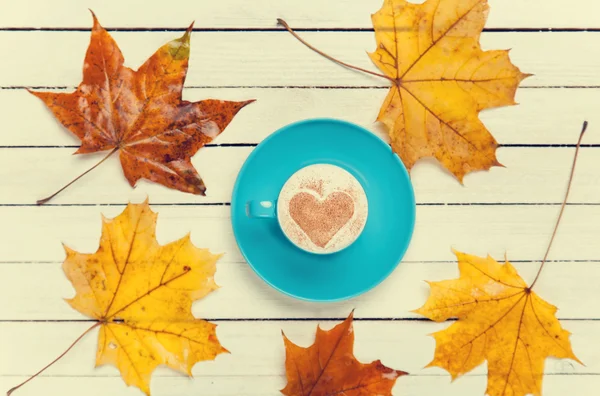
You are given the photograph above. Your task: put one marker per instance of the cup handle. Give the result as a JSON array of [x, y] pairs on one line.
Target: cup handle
[[260, 209]]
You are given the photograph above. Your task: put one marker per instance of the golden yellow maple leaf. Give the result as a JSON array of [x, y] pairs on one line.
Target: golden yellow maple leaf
[[501, 321], [141, 293], [441, 81]]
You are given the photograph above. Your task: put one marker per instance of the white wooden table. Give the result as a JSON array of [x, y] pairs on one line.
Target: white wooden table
[[239, 53]]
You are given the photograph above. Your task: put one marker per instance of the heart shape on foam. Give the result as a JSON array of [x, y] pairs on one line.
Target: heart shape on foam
[[321, 219]]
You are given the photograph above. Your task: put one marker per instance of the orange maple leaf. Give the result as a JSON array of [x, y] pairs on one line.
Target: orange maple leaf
[[501, 321], [141, 293], [328, 367], [141, 113], [441, 80]]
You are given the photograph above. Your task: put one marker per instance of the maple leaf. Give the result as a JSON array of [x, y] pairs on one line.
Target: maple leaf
[[141, 295], [328, 367], [501, 321], [441, 80], [141, 113]]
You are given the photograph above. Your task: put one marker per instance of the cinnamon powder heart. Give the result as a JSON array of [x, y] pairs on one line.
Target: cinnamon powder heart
[[321, 219]]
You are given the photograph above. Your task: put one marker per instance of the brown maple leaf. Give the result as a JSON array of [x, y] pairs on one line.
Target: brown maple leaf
[[140, 294], [141, 114], [328, 367], [441, 80]]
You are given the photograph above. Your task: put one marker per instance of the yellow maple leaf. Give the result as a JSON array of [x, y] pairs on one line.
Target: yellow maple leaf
[[442, 80], [141, 293], [501, 321]]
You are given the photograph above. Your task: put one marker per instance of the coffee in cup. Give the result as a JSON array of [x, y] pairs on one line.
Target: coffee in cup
[[322, 208]]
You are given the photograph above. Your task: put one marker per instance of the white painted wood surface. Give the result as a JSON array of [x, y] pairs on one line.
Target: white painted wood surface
[[240, 14], [238, 52], [258, 58]]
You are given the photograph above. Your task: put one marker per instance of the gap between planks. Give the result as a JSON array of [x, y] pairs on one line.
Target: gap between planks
[[510, 145], [18, 205], [403, 261], [200, 375], [65, 87], [308, 319], [281, 30]]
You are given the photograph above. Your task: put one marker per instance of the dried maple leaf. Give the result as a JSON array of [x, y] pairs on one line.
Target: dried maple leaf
[[141, 295], [328, 367], [140, 113], [441, 81], [501, 321]]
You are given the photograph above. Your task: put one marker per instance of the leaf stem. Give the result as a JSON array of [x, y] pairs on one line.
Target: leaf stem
[[43, 201], [55, 360], [564, 203], [289, 29]]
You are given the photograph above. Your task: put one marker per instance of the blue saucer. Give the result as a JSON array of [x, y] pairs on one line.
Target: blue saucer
[[384, 240]]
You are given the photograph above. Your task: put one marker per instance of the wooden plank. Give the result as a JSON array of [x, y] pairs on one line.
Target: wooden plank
[[522, 232], [244, 295], [543, 116], [226, 385], [263, 13], [217, 166], [531, 175], [278, 59], [257, 348]]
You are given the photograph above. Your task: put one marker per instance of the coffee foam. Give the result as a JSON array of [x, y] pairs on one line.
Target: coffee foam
[[320, 181]]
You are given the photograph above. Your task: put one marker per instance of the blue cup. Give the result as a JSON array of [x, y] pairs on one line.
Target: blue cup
[[317, 225]]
